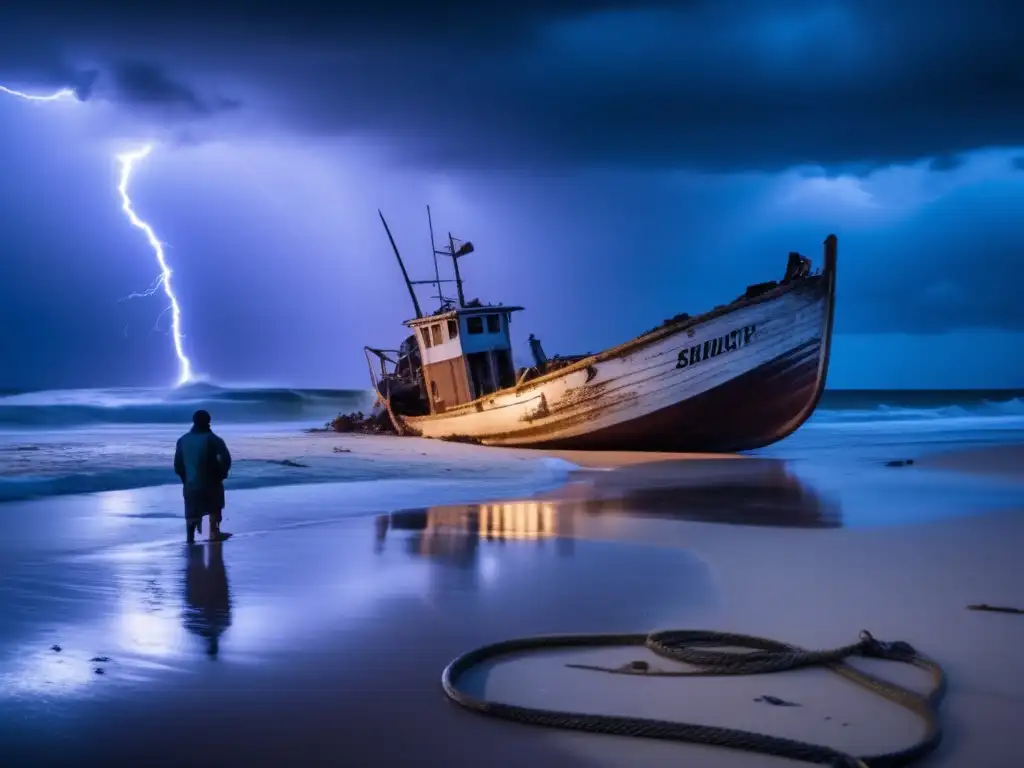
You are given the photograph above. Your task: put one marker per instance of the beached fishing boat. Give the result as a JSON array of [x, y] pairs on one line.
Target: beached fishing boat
[[738, 377]]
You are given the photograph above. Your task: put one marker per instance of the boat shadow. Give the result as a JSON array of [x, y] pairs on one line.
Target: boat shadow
[[728, 491]]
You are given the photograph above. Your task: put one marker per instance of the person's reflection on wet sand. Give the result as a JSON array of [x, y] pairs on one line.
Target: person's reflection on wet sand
[[207, 611]]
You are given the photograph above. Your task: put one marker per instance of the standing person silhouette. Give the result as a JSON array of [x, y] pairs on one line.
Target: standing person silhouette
[[202, 461]]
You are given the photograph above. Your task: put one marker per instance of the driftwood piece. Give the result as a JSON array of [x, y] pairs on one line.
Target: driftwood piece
[[993, 608]]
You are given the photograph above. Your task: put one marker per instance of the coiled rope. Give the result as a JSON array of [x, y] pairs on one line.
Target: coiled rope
[[762, 656]]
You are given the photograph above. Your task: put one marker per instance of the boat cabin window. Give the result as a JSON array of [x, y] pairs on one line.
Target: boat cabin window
[[493, 324], [453, 329], [474, 324], [425, 332], [435, 332]]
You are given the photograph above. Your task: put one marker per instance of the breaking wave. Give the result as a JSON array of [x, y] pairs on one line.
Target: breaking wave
[[71, 408], [923, 408]]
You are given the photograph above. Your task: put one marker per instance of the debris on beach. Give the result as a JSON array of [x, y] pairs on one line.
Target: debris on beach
[[339, 449], [775, 701], [286, 463], [461, 439], [99, 659], [375, 424], [899, 463], [56, 648], [994, 608]]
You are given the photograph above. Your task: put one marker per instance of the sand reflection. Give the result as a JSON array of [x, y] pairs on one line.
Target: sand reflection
[[454, 532]]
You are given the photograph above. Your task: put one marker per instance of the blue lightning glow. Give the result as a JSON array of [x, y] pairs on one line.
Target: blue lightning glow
[[63, 93], [128, 161]]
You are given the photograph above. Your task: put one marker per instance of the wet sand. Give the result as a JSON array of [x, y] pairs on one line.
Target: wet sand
[[1006, 462], [317, 639]]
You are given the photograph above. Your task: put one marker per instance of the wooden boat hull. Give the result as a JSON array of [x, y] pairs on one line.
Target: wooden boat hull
[[737, 378]]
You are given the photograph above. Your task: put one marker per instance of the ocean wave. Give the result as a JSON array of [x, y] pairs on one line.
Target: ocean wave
[[57, 409], [71, 408], [924, 408], [20, 488]]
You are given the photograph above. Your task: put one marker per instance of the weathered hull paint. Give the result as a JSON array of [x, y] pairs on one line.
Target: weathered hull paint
[[734, 379]]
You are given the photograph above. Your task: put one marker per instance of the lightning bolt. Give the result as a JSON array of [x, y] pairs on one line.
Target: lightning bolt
[[128, 161], [63, 93]]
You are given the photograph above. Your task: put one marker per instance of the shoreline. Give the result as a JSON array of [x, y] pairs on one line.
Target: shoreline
[[65, 465], [285, 458]]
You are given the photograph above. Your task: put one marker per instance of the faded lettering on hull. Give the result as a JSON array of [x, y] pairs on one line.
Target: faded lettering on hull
[[728, 342]]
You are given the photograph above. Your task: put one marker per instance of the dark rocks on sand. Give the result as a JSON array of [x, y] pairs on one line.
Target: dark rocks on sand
[[775, 701]]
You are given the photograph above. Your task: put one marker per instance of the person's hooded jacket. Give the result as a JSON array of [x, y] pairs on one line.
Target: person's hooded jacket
[[202, 461]]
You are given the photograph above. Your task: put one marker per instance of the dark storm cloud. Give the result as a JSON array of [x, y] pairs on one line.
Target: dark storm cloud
[[147, 84], [945, 163], [732, 84]]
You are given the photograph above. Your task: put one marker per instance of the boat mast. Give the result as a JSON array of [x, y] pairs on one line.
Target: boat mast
[[455, 263], [433, 250], [408, 282]]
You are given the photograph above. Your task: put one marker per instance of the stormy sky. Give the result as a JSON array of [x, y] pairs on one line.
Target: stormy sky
[[614, 163]]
